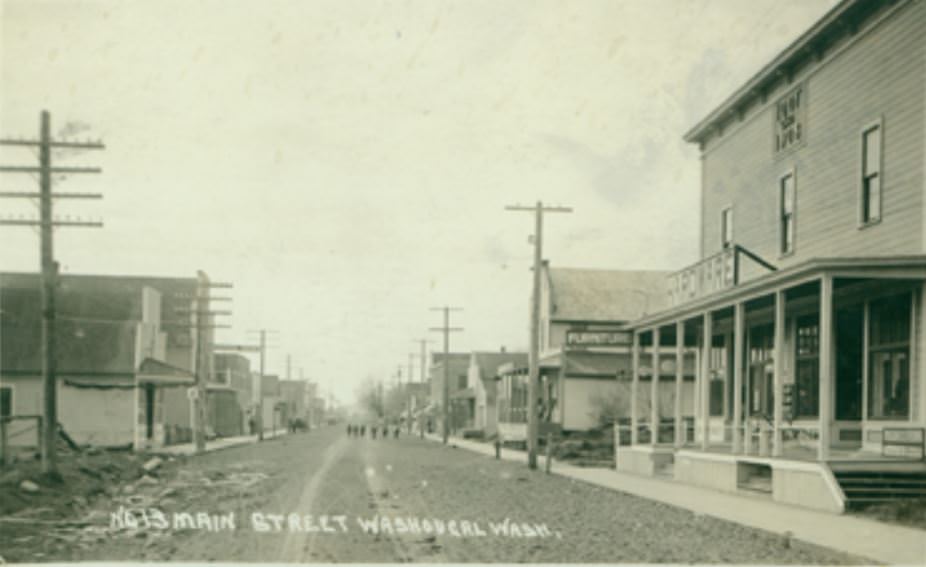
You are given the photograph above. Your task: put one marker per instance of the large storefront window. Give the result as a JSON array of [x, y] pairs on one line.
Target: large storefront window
[[807, 365], [889, 353]]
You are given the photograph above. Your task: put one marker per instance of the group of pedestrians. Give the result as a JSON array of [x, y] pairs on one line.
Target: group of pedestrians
[[361, 431]]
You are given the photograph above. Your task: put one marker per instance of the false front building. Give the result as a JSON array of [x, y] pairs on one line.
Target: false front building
[[806, 308]]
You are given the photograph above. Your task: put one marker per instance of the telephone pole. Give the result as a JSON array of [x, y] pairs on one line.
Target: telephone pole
[[49, 267], [533, 382], [408, 395], [259, 388], [203, 321], [446, 329], [424, 362]]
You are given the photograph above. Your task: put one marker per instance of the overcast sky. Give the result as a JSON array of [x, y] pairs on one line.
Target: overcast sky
[[346, 164]]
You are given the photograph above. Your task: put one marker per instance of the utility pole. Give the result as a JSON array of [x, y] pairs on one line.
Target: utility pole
[[533, 382], [424, 362], [259, 388], [49, 267], [446, 329], [408, 395], [204, 325]]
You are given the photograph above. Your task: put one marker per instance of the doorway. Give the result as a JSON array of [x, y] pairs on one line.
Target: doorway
[[850, 323]]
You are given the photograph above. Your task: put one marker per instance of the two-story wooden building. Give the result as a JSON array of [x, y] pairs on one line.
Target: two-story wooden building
[[806, 308]]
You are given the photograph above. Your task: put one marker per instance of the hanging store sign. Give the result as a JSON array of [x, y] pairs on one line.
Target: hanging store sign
[[579, 339], [711, 274]]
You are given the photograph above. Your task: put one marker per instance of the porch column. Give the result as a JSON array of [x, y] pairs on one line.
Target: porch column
[[707, 338], [634, 386], [654, 392], [826, 365], [778, 378], [679, 377], [738, 316]]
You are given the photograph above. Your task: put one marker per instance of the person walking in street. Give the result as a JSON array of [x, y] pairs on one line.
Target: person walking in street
[[373, 432]]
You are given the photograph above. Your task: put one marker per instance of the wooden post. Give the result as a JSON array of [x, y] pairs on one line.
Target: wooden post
[[634, 386], [778, 377], [738, 323], [49, 277], [707, 335], [679, 378], [654, 392], [826, 365]]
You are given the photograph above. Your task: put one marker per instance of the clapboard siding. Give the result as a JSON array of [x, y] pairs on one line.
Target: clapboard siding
[[878, 77]]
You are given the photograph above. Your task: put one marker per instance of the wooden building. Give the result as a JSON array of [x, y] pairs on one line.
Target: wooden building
[[805, 310]]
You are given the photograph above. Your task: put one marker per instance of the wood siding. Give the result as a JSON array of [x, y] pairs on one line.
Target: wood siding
[[878, 77]]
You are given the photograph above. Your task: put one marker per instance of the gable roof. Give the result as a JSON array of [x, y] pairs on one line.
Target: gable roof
[[578, 294]]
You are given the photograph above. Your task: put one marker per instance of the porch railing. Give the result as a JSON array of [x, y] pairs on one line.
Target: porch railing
[[6, 434]]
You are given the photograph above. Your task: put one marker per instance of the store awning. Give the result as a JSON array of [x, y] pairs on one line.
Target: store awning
[[158, 373]]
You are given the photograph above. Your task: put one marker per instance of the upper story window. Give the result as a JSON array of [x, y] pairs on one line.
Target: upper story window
[[726, 228], [786, 212], [871, 174]]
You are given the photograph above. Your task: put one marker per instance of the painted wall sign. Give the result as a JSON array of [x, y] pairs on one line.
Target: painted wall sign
[[597, 338], [790, 120], [711, 274]]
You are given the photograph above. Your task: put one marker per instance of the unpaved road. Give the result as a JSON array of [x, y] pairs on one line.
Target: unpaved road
[[314, 497]]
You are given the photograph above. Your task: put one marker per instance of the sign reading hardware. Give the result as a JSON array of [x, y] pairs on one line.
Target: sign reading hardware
[[597, 338], [711, 274]]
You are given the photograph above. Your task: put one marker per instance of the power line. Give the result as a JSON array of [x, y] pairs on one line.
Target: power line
[[50, 267], [446, 329], [534, 366]]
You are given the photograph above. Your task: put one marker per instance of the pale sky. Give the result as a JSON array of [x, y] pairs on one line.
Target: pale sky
[[345, 164]]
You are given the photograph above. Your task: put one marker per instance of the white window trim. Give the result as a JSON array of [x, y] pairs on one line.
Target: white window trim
[[724, 209], [878, 123], [778, 210]]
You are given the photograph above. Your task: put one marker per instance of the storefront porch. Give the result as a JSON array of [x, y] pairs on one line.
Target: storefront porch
[[800, 372]]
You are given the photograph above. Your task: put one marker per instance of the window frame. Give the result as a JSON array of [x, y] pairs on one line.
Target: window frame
[[905, 347], [813, 361], [862, 195], [780, 212]]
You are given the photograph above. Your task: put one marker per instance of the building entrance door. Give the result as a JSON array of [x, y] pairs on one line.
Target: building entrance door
[[848, 406]]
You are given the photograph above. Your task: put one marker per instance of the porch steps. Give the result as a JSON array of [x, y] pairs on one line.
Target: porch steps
[[881, 483]]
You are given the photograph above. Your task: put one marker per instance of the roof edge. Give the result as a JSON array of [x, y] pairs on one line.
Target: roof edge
[[769, 69]]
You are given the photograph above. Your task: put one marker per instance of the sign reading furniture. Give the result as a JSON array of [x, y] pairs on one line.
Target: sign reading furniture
[[579, 339]]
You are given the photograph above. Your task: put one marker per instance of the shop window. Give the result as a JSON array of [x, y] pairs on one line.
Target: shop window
[[6, 401], [871, 175], [786, 213], [807, 365], [889, 355]]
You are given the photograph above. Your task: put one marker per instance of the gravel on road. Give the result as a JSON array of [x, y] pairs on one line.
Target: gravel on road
[[325, 497]]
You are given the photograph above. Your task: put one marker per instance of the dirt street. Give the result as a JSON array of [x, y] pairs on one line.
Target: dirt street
[[326, 497]]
